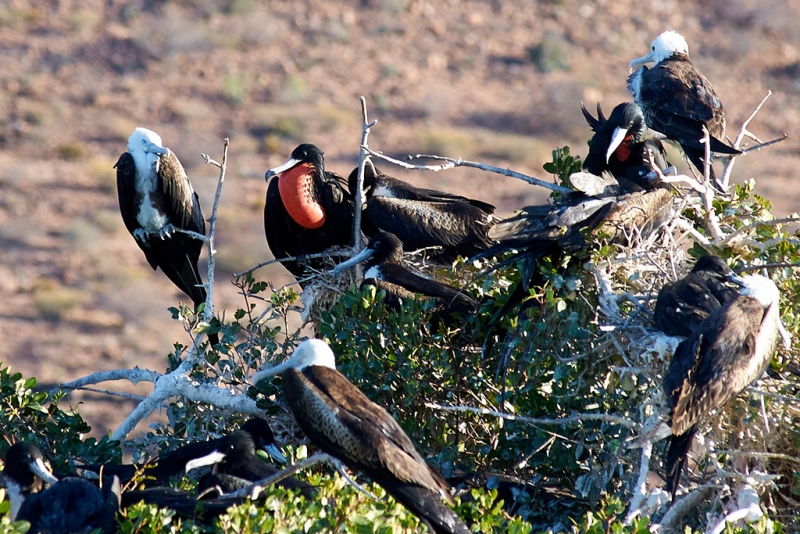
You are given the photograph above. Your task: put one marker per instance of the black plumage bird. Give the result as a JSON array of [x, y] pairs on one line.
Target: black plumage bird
[[172, 464], [155, 199], [623, 145], [236, 465], [678, 101], [684, 304], [423, 218], [69, 505], [384, 269], [344, 423], [307, 211], [727, 352], [538, 231]]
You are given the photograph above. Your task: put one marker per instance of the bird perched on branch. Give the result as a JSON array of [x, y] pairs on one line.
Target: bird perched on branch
[[678, 101], [156, 200], [624, 146], [169, 465], [384, 269], [236, 465], [725, 354], [423, 218], [307, 211], [339, 419], [69, 505], [684, 304]]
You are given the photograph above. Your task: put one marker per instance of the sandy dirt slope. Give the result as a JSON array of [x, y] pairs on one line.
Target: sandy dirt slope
[[494, 81]]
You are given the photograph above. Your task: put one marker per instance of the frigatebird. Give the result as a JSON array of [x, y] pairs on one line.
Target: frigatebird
[[236, 465], [172, 464], [538, 231], [72, 504], [727, 352], [678, 101], [684, 304], [624, 146], [384, 269], [307, 211], [339, 419], [423, 218], [155, 199]]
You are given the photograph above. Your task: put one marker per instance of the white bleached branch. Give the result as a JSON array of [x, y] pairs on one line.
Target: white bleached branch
[[451, 163], [569, 420]]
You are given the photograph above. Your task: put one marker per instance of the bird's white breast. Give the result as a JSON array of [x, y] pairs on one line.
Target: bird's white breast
[[373, 272]]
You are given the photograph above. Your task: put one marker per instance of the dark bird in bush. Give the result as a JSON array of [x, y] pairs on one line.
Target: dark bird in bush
[[384, 269], [69, 505], [343, 422], [236, 465], [538, 231], [678, 101], [684, 304], [423, 218], [156, 199], [308, 210], [173, 464], [624, 146], [725, 354]]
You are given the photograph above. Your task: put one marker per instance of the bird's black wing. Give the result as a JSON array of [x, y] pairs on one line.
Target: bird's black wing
[[415, 283], [126, 192]]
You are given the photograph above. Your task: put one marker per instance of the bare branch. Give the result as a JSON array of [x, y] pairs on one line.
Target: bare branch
[[758, 224], [765, 144], [572, 419], [333, 252], [134, 376], [731, 161], [208, 312], [363, 156], [679, 509], [257, 487], [452, 162]]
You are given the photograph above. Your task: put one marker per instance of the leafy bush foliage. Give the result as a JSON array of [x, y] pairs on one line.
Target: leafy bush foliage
[[561, 355]]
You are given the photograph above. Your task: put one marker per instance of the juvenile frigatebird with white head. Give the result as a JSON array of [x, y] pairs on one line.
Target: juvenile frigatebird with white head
[[724, 355], [69, 505], [343, 422], [307, 211], [678, 101], [155, 199]]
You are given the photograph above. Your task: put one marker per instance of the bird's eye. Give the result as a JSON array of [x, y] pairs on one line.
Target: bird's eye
[[654, 48]]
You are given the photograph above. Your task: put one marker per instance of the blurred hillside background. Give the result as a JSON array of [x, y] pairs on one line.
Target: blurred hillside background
[[494, 81]]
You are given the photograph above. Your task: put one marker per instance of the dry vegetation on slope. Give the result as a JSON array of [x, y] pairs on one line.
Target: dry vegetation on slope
[[495, 81]]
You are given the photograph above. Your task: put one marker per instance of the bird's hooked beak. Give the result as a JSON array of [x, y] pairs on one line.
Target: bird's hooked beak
[[616, 140], [281, 168], [211, 458], [272, 371], [735, 279], [275, 453], [155, 149], [41, 470], [364, 255], [639, 61], [785, 336]]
